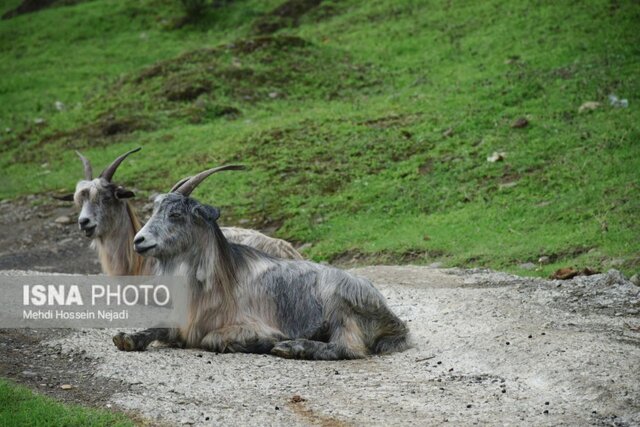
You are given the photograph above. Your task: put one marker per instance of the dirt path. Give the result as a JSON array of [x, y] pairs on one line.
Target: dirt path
[[490, 348]]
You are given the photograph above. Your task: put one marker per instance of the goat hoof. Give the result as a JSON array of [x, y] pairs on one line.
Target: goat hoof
[[288, 350], [124, 342]]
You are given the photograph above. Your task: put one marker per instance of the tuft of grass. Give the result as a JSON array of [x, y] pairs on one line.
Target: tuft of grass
[[21, 407], [366, 125]]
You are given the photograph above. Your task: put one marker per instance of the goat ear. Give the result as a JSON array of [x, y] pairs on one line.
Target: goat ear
[[207, 213], [64, 197], [123, 193]]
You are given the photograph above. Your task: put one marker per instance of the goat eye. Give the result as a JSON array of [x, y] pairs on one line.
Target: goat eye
[[175, 215]]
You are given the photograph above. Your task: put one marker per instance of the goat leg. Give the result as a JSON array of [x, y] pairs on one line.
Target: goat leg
[[139, 341], [241, 339], [315, 350]]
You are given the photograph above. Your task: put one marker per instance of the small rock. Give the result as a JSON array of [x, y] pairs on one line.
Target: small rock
[[297, 399], [447, 133], [527, 266], [588, 106], [59, 106], [64, 220], [39, 120], [435, 265], [544, 260], [66, 386], [273, 95], [520, 123], [635, 279], [617, 102], [28, 374], [497, 156]]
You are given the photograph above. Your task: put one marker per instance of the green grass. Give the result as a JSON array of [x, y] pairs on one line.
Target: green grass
[[21, 407], [341, 120]]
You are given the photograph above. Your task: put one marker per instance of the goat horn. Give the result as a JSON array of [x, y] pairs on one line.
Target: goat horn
[[88, 173], [179, 183], [108, 172], [187, 185]]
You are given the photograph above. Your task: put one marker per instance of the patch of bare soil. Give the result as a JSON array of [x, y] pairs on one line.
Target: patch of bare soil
[[46, 369], [354, 258], [31, 6], [287, 15], [489, 349], [41, 234]]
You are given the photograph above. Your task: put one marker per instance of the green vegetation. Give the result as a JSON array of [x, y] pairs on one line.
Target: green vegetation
[[342, 111], [21, 407]]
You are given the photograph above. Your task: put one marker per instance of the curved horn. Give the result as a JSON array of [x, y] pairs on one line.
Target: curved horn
[[189, 184], [179, 183], [108, 172], [88, 173]]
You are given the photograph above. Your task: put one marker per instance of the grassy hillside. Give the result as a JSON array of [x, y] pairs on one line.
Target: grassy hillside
[[366, 125]]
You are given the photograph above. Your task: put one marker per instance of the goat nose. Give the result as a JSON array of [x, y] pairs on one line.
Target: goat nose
[[83, 222], [138, 240]]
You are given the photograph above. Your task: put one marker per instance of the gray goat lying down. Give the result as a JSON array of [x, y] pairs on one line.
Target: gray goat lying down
[[243, 300], [106, 216]]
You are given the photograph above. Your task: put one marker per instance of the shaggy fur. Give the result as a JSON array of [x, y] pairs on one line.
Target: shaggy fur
[[243, 300], [112, 223]]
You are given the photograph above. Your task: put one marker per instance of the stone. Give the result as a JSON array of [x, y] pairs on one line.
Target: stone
[[527, 266], [63, 219]]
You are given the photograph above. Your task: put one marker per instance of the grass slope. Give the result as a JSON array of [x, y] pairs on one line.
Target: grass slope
[[366, 125], [21, 407]]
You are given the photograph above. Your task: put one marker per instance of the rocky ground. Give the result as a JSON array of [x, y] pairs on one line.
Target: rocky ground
[[489, 348]]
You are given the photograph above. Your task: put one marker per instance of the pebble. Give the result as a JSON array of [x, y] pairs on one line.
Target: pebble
[[635, 279], [527, 266], [64, 220], [544, 260], [28, 374], [520, 123]]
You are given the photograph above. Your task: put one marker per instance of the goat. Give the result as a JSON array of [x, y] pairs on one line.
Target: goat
[[108, 218], [242, 300]]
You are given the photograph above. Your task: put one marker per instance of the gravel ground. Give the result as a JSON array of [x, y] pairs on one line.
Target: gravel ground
[[490, 348]]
